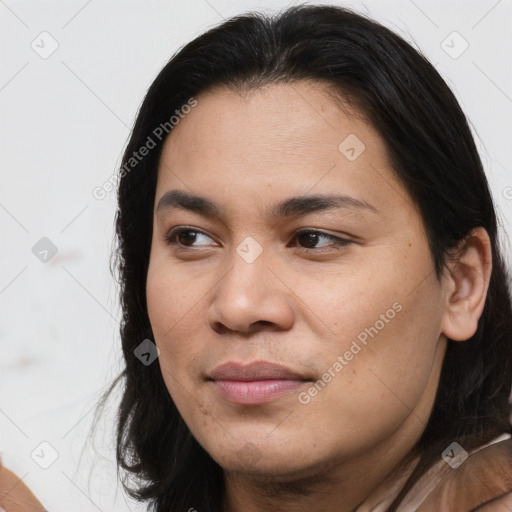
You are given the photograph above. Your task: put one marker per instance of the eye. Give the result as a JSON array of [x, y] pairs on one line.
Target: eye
[[311, 237], [185, 236]]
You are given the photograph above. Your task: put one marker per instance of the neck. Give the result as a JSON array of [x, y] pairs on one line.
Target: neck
[[344, 487]]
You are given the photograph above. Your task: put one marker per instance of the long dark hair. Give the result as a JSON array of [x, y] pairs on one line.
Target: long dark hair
[[433, 154]]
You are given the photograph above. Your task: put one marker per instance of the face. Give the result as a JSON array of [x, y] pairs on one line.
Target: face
[[294, 333]]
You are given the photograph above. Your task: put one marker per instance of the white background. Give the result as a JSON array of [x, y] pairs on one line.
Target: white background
[[64, 123]]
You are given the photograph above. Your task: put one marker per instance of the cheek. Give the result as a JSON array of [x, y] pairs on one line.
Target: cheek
[[387, 364], [174, 305], [173, 308], [173, 296], [387, 328]]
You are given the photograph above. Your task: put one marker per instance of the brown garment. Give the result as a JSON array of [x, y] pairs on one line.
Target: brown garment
[[480, 483], [483, 483]]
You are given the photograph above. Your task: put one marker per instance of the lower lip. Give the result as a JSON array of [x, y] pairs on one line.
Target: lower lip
[[256, 391]]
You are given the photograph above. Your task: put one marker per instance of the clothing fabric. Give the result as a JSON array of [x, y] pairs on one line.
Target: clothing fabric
[[481, 481]]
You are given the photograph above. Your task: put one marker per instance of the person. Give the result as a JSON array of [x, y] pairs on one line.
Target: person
[[316, 310]]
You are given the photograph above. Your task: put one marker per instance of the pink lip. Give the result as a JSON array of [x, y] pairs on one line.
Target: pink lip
[[255, 383]]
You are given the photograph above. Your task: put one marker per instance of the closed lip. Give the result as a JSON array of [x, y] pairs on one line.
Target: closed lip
[[254, 371]]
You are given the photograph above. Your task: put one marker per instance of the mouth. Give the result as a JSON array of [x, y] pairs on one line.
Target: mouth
[[255, 383]]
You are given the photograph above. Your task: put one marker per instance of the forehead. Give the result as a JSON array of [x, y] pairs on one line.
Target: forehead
[[281, 140]]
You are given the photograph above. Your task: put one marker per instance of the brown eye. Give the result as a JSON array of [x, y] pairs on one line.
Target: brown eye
[[310, 238], [185, 237]]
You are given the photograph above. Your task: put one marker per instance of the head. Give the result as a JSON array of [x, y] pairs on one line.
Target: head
[[387, 305]]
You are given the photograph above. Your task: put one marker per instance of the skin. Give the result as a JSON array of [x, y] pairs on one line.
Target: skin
[[15, 495], [301, 304]]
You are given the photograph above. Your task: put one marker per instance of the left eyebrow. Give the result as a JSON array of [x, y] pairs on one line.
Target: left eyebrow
[[294, 206], [303, 205]]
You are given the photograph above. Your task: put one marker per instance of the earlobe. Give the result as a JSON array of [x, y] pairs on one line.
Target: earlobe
[[466, 281]]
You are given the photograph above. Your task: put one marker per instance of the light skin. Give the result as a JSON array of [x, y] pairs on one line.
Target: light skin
[[15, 496], [301, 302]]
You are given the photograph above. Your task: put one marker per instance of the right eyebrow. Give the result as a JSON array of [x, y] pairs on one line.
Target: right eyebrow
[[185, 201]]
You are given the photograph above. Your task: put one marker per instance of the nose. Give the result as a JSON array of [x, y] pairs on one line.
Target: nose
[[251, 295]]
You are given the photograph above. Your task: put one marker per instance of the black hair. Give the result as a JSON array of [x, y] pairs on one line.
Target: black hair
[[432, 153]]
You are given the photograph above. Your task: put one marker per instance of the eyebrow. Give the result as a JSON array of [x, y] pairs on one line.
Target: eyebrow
[[294, 206]]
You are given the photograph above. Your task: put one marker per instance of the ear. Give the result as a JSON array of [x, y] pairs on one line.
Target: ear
[[466, 281]]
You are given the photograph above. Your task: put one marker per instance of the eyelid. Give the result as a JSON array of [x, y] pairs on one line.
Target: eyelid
[[320, 231], [178, 229], [339, 241]]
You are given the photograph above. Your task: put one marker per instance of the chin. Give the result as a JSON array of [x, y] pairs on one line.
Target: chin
[[260, 459]]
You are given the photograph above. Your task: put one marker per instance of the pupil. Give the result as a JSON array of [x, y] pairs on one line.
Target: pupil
[[310, 238], [183, 237]]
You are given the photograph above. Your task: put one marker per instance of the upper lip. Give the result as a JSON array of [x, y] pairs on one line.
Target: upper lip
[[257, 370]]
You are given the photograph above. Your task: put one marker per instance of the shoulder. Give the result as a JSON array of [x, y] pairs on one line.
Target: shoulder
[[483, 483]]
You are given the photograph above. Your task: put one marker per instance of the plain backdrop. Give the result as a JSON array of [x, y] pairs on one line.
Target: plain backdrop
[[65, 119]]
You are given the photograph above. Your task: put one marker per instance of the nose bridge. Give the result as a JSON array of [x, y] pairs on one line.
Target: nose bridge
[[247, 278], [250, 292]]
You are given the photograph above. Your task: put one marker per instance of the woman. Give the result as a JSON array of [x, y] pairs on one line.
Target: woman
[[306, 234]]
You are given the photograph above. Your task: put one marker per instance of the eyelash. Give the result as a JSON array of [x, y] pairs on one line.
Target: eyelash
[[338, 242]]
